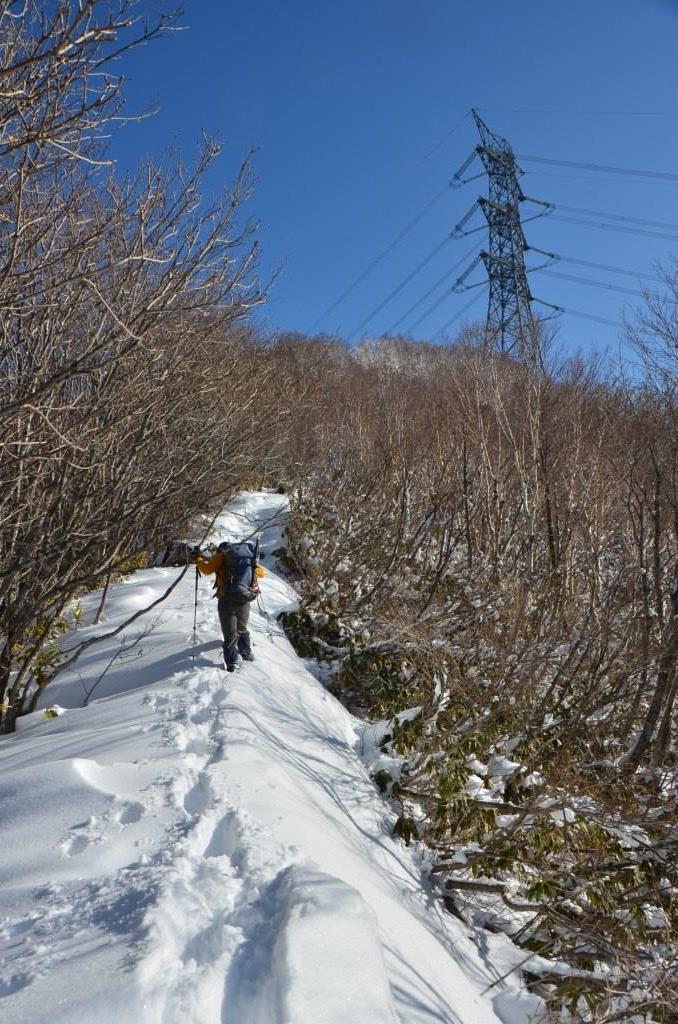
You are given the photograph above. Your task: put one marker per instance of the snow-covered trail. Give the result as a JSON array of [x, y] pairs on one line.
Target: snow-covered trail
[[196, 846]]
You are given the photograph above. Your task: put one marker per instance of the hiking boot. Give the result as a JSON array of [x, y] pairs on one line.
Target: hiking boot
[[245, 647], [230, 659]]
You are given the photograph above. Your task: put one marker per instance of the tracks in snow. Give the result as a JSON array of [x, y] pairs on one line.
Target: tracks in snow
[[241, 933], [176, 882], [218, 866]]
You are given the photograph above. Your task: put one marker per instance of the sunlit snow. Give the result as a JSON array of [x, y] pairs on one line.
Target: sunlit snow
[[195, 846]]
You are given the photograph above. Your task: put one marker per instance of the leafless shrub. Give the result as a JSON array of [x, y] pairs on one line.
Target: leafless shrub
[[495, 547]]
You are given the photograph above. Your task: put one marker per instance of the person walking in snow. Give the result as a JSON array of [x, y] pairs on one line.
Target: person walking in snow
[[237, 575]]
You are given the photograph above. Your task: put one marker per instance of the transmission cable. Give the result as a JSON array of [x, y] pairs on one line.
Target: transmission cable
[[450, 291], [459, 314], [623, 228], [587, 281], [560, 208], [446, 137], [580, 113], [607, 168], [377, 260], [441, 280], [576, 312], [399, 288], [624, 217], [610, 269], [591, 316], [563, 176], [557, 258]]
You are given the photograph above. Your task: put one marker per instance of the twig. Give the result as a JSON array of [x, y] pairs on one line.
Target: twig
[[122, 650], [108, 636]]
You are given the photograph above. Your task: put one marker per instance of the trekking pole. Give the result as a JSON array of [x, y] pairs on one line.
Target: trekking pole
[[262, 609], [195, 614]]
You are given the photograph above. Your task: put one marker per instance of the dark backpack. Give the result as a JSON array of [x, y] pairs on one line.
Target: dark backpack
[[240, 560]]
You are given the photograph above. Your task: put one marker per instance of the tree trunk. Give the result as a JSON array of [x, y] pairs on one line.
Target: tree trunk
[[662, 698], [664, 735], [102, 603], [5, 669]]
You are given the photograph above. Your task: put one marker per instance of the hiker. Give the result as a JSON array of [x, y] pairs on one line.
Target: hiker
[[237, 573]]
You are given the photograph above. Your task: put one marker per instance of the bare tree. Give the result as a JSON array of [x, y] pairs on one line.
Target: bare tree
[[129, 377], [487, 553]]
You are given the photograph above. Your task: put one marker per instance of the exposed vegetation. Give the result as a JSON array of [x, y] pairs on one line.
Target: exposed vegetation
[[495, 548]]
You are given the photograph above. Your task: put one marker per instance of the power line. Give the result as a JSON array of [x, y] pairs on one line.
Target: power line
[[556, 257], [472, 252], [584, 113], [621, 228], [624, 217], [439, 302], [606, 168], [377, 260], [587, 281], [383, 208], [576, 312], [584, 177], [430, 310], [419, 301], [399, 287], [448, 135], [591, 316], [533, 173], [610, 269], [459, 314]]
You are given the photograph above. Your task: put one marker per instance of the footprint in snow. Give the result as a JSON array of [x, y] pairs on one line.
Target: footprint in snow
[[130, 813], [199, 798], [73, 845], [11, 985], [226, 838], [202, 716], [202, 748], [14, 929]]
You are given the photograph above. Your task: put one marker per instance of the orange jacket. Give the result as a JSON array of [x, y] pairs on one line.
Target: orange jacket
[[218, 564]]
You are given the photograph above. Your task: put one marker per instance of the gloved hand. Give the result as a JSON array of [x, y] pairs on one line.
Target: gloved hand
[[197, 553]]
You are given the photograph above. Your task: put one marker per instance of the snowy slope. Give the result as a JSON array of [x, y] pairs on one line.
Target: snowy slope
[[195, 846]]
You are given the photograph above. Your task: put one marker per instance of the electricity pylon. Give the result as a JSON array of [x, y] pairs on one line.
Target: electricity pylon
[[509, 313], [511, 325]]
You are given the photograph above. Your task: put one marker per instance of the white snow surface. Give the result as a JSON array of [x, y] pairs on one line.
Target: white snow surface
[[197, 846]]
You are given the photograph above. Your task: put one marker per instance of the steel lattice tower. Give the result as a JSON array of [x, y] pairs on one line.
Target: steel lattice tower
[[509, 314]]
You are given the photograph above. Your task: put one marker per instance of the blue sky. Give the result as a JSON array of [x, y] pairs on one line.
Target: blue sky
[[360, 112]]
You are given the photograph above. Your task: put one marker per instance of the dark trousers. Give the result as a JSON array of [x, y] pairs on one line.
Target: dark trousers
[[233, 619]]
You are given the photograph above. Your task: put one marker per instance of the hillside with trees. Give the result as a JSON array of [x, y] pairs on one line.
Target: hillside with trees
[[487, 554], [486, 546]]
